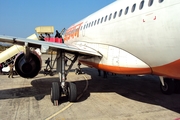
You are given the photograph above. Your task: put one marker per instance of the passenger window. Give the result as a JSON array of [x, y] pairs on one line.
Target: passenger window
[[126, 11], [115, 15], [120, 13], [102, 19], [98, 21], [84, 26], [89, 24], [150, 3], [110, 16], [105, 18], [133, 8], [94, 22], [141, 5], [160, 1]]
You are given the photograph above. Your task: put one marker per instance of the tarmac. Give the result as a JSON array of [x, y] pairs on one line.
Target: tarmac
[[117, 97]]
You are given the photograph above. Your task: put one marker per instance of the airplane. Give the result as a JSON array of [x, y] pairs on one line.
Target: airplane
[[136, 37]]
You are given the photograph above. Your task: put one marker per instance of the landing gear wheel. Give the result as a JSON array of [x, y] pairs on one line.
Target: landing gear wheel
[[72, 92], [168, 87], [51, 73], [55, 93]]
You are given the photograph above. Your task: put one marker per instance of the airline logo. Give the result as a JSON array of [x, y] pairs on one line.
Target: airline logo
[[72, 32]]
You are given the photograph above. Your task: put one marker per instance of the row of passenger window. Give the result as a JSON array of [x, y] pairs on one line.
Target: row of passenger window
[[100, 20]]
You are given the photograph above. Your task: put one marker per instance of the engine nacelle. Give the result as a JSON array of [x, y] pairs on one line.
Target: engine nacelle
[[28, 68]]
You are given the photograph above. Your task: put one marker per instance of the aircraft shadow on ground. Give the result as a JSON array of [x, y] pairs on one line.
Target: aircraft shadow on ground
[[39, 89], [144, 89], [139, 88]]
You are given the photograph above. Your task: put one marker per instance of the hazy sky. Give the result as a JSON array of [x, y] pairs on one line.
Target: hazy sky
[[20, 17]]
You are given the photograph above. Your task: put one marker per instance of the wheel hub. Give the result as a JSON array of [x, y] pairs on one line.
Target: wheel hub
[[165, 87]]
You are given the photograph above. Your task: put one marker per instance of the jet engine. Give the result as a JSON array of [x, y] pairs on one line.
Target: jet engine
[[28, 65]]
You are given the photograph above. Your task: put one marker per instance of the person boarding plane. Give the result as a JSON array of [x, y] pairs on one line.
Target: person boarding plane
[[126, 37]]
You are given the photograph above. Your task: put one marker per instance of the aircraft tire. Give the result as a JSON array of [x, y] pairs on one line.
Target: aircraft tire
[[51, 73], [55, 93], [169, 86], [72, 92]]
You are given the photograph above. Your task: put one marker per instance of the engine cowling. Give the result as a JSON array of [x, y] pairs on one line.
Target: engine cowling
[[28, 68]]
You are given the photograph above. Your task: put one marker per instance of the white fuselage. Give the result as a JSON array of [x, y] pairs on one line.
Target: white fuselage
[[145, 41]]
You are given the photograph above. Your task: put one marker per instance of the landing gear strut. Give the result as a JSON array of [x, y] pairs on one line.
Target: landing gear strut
[[67, 88]]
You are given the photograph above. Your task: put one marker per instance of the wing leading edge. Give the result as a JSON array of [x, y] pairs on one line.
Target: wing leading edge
[[50, 45]]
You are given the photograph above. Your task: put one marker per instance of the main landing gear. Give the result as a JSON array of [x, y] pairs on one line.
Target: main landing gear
[[169, 85], [63, 88], [70, 91]]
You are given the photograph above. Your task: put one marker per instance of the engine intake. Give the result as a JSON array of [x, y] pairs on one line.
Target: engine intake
[[28, 68]]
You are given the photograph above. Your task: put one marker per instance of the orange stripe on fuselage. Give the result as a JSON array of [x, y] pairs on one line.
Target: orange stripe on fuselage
[[170, 70], [117, 69]]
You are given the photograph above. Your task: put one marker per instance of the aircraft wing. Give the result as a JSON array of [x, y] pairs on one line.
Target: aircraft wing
[[50, 45]]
